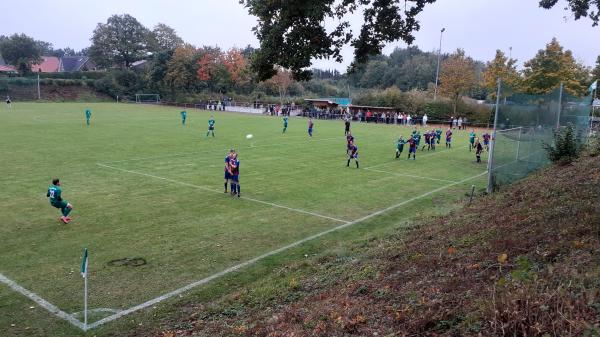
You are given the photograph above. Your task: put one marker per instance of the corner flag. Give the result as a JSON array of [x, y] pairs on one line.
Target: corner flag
[[84, 263]]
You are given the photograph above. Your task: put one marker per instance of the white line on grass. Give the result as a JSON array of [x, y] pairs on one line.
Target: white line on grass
[[410, 175], [221, 193], [41, 302], [271, 253]]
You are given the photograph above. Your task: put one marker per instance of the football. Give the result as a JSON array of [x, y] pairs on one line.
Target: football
[[249, 136]]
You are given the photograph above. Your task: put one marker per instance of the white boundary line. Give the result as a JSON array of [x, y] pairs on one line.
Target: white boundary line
[[221, 193], [410, 175], [263, 256], [42, 302]]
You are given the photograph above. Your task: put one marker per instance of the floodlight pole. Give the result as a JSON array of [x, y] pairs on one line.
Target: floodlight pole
[[560, 94], [437, 72], [38, 88], [492, 145]]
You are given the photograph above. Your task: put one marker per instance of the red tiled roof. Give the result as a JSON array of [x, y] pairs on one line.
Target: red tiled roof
[[7, 69], [50, 64]]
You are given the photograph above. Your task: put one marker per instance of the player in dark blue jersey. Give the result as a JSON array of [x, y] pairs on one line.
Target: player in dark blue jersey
[[227, 169], [429, 138], [432, 138], [311, 124], [412, 148], [234, 170], [349, 142], [449, 138], [353, 154], [486, 141]]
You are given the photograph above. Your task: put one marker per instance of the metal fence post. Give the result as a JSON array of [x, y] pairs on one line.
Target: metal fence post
[[493, 143], [519, 142], [560, 94]]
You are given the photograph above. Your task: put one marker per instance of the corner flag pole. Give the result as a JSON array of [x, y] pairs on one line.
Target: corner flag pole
[[84, 270]]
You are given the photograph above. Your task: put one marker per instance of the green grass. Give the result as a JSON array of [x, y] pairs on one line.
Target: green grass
[[142, 185]]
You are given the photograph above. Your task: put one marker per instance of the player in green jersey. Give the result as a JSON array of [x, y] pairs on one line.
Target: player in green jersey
[[471, 139], [183, 117], [399, 146], [56, 200], [285, 123], [211, 126], [88, 116]]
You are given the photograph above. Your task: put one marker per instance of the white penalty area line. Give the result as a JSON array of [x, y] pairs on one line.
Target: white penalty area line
[[271, 253], [42, 302], [297, 210], [409, 175]]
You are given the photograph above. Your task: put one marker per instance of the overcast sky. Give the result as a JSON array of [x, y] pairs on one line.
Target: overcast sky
[[478, 26]]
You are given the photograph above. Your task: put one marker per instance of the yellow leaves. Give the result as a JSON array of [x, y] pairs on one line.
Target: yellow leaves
[[168, 334], [578, 244], [502, 258], [451, 250], [474, 266], [240, 329]]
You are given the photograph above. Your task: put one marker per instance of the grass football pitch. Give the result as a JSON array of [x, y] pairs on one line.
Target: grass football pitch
[[144, 186]]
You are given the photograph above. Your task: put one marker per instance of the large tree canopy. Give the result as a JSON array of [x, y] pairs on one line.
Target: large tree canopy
[[119, 42], [164, 38], [20, 51], [552, 66], [292, 33], [579, 8]]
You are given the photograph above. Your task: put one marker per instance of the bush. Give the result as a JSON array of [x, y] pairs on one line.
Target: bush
[[566, 147], [594, 145]]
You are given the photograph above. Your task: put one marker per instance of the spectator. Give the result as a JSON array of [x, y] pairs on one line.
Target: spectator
[[460, 123], [425, 120], [454, 122], [408, 118]]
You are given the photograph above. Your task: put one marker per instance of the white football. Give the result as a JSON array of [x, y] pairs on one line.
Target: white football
[[249, 136]]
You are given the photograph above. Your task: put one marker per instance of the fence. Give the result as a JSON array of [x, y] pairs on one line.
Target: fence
[[524, 124]]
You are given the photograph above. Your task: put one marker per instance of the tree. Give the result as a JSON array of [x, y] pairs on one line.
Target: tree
[[20, 51], [237, 66], [596, 71], [552, 66], [208, 63], [579, 8], [282, 81], [119, 42], [165, 38], [182, 68], [293, 33], [503, 68], [457, 77]]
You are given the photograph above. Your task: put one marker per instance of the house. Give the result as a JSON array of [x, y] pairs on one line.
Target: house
[[6, 70], [331, 102], [52, 64], [76, 63], [49, 64], [140, 65]]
